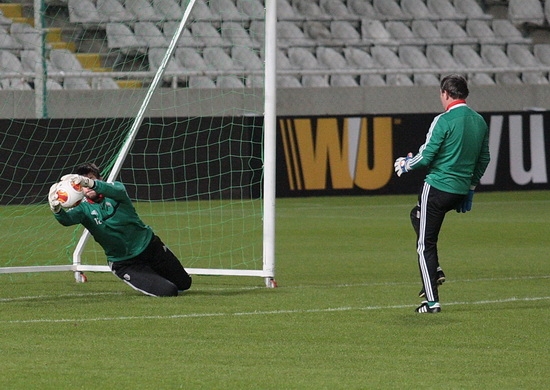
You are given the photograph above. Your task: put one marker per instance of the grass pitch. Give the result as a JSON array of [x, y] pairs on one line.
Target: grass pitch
[[342, 316]]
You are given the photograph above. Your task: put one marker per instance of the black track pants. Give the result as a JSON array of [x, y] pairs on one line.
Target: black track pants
[[427, 217]]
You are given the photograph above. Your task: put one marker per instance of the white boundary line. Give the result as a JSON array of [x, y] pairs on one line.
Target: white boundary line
[[263, 313]]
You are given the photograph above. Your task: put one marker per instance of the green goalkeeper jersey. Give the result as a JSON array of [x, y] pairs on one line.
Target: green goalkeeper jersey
[[113, 222], [456, 151]]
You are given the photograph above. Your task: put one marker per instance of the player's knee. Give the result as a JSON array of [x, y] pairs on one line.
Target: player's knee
[[185, 284]]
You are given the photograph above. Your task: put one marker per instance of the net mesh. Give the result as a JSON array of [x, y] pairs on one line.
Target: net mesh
[[194, 170]]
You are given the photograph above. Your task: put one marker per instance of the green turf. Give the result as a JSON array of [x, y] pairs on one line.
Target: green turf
[[341, 318]]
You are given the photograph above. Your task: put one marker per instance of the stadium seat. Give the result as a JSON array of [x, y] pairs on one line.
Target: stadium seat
[[359, 59], [235, 35], [113, 11], [254, 81], [156, 56], [445, 10], [303, 58], [206, 33], [372, 80], [468, 57], [403, 34], [104, 83], [227, 10], [190, 59], [362, 8], [168, 9], [7, 42], [455, 34], [416, 59], [83, 12], [27, 36], [398, 80], [285, 12], [257, 31], [342, 81], [229, 81], [319, 32], [288, 82], [496, 57], [503, 28], [4, 21], [253, 8], [418, 10], [201, 12], [481, 30], [344, 33], [374, 32], [218, 59], [289, 34], [247, 58], [389, 10], [525, 11], [9, 63], [200, 82], [120, 36], [471, 9], [283, 62], [441, 58], [428, 32], [521, 55], [310, 10], [330, 58], [337, 9], [148, 33], [29, 59], [390, 60], [315, 81], [542, 52], [186, 39], [143, 10], [481, 79]]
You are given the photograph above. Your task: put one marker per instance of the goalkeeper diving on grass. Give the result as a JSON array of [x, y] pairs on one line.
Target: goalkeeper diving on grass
[[455, 154], [134, 253]]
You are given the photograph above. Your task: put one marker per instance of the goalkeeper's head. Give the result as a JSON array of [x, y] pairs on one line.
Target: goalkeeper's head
[[89, 170], [92, 171]]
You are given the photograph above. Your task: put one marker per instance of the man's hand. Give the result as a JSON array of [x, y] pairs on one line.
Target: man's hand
[[402, 164], [466, 204], [55, 206], [78, 179]]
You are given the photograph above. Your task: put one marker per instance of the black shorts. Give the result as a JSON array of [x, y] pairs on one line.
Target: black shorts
[[156, 271]]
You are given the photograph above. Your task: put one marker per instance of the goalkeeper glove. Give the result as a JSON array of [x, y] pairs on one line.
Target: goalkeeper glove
[[403, 164], [78, 179], [466, 204], [55, 205]]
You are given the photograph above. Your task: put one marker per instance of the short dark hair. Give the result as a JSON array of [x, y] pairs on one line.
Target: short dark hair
[[455, 85], [87, 168]]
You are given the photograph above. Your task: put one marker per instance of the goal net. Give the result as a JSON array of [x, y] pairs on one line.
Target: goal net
[[174, 99]]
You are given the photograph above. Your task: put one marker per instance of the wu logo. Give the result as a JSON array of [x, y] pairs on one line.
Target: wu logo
[[338, 153]]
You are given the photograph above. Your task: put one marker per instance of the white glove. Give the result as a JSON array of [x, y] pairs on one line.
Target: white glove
[[78, 179], [403, 164], [55, 206]]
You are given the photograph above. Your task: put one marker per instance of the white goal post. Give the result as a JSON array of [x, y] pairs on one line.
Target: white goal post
[[267, 272]]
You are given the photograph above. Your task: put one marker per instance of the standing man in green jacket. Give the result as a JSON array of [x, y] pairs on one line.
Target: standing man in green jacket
[[134, 253], [456, 154]]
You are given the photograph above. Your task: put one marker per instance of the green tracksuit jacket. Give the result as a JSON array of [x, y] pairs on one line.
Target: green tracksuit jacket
[[456, 151], [113, 222]]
